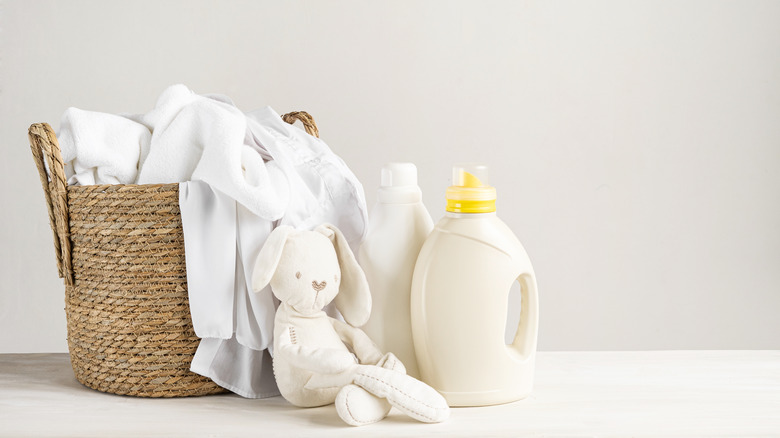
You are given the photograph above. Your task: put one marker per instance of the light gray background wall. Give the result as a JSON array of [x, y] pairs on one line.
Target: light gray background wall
[[635, 145]]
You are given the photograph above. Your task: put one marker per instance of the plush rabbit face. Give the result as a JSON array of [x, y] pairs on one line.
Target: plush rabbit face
[[307, 269], [308, 275]]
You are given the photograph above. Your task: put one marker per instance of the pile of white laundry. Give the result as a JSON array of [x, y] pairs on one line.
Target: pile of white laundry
[[240, 176]]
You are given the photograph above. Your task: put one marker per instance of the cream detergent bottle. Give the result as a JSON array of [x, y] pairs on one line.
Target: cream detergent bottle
[[398, 226], [459, 297]]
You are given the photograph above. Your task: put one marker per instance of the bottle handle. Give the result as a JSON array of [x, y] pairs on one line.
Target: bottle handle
[[524, 342]]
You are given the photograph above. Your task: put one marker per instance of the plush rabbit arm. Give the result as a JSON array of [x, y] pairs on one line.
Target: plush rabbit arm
[[366, 351], [318, 360]]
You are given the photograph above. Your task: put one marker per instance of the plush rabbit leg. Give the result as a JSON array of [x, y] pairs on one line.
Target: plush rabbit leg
[[409, 395], [358, 407]]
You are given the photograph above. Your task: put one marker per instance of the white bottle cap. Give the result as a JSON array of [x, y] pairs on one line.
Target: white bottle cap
[[399, 184], [399, 175]]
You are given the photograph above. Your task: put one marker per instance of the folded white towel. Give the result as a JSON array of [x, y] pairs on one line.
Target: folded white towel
[[100, 148]]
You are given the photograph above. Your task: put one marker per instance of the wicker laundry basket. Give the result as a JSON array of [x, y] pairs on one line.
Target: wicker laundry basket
[[120, 249]]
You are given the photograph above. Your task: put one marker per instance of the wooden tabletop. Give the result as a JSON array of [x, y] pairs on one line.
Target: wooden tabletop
[[660, 393]]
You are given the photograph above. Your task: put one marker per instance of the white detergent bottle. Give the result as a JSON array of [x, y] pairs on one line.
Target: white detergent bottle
[[398, 226], [460, 292]]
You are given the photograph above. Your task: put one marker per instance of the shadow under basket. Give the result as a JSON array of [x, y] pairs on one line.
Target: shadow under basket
[[120, 250]]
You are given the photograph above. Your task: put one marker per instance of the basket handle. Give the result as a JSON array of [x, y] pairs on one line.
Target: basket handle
[[306, 119], [44, 144]]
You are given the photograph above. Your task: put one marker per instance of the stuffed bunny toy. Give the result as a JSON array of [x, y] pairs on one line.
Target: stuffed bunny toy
[[320, 360]]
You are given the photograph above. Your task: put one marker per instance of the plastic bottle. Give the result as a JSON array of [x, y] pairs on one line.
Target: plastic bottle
[[398, 226], [459, 300]]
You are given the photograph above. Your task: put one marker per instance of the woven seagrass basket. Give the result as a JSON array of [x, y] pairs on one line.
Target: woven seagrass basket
[[120, 250]]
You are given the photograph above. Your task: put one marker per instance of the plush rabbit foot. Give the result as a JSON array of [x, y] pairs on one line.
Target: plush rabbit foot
[[409, 395], [358, 407]]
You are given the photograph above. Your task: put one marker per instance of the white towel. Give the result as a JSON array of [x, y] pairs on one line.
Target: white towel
[[100, 148], [201, 138]]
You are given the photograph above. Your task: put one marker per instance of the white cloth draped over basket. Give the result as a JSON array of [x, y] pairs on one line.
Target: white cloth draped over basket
[[244, 175]]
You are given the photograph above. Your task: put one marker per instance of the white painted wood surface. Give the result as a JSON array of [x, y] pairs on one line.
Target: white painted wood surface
[[663, 393]]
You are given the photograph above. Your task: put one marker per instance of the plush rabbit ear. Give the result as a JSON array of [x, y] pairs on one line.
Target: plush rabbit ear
[[354, 298], [268, 259]]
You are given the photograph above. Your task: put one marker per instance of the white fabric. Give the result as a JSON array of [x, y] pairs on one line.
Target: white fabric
[[245, 371], [325, 190], [185, 137], [236, 327], [202, 138], [100, 148], [218, 232], [208, 219]]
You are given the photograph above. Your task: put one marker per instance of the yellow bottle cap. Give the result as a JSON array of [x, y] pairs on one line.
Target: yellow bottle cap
[[470, 191]]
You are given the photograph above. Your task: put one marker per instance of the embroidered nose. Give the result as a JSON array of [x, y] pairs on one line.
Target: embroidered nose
[[318, 286]]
